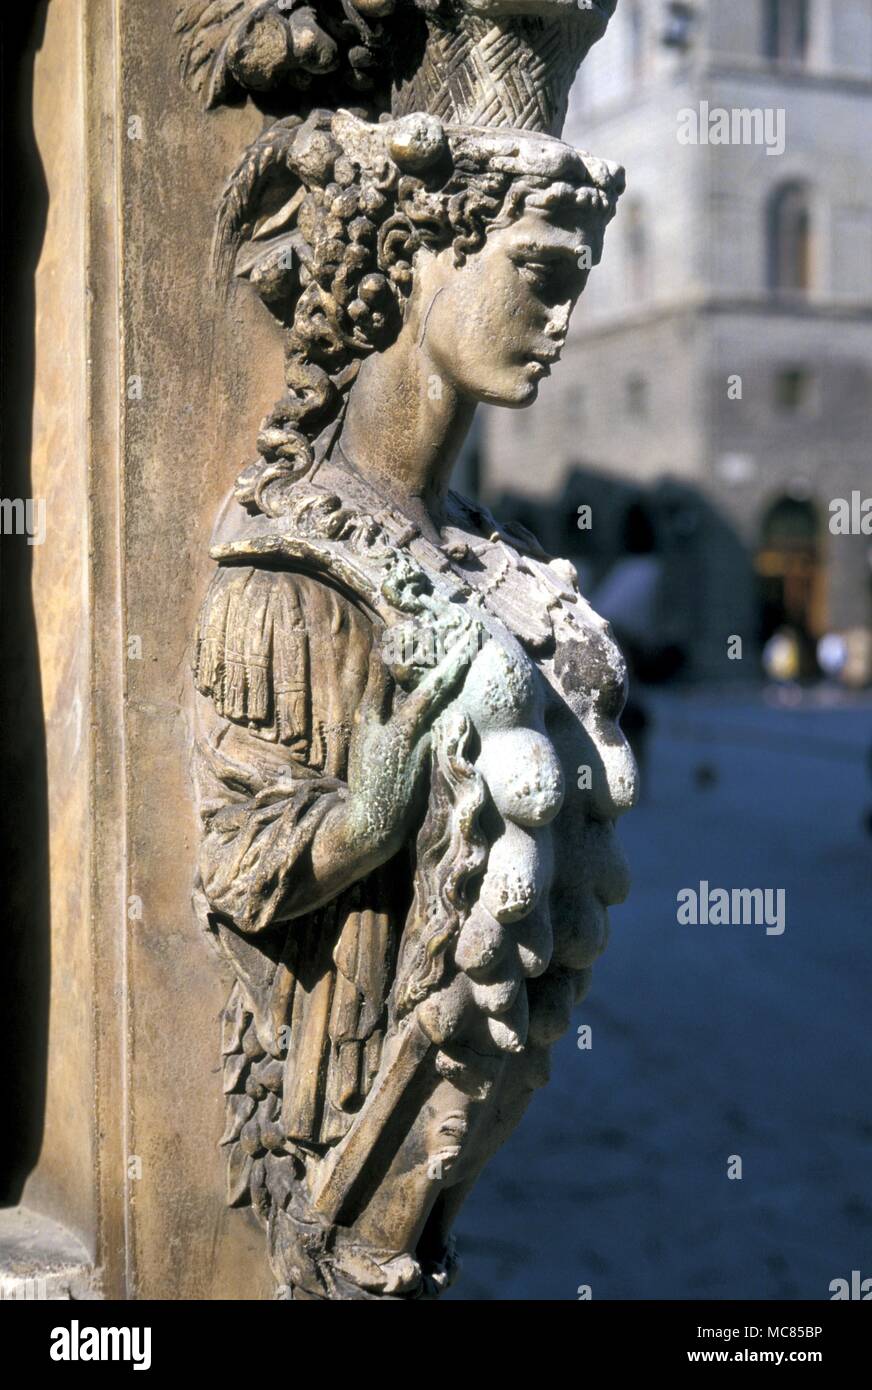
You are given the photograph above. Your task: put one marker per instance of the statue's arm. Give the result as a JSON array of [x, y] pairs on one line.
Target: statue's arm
[[272, 854], [281, 839]]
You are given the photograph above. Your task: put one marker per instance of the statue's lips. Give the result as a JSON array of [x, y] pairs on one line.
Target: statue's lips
[[538, 367], [543, 361]]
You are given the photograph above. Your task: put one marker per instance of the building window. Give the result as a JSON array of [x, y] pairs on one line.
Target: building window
[[636, 21], [676, 32], [790, 239], [637, 250], [637, 397], [786, 31], [795, 391]]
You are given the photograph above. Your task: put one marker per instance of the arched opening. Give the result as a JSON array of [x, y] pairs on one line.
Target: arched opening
[[790, 239], [790, 571]]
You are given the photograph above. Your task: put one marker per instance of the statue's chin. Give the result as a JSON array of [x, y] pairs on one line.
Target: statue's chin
[[514, 394]]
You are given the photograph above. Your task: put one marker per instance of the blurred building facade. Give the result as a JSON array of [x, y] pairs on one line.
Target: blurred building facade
[[718, 374]]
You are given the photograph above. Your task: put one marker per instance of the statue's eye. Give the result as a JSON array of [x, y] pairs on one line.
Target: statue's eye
[[536, 273]]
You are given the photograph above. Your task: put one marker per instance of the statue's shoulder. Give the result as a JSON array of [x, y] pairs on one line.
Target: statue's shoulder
[[477, 517], [537, 595], [253, 650]]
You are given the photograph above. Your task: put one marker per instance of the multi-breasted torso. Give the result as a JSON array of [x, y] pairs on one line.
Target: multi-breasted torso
[[282, 663]]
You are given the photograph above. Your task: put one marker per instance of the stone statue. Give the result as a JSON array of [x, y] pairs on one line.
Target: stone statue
[[408, 759]]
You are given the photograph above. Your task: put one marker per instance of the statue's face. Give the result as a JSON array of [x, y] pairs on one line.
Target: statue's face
[[495, 326]]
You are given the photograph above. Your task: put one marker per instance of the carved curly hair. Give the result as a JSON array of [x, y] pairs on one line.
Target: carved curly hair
[[324, 217]]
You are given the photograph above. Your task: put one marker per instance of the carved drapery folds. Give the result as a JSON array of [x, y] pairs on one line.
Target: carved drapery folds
[[391, 705]]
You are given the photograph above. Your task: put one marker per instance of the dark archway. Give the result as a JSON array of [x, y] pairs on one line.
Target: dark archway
[[791, 576]]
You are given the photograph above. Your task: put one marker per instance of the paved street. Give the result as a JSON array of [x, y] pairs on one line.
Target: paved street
[[711, 1041]]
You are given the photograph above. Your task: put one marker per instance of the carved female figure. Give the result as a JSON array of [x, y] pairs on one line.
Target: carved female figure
[[396, 694]]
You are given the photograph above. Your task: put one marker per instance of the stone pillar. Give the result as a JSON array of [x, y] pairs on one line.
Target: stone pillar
[[126, 409]]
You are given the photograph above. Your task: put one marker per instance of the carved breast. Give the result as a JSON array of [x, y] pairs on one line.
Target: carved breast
[[517, 760], [560, 772]]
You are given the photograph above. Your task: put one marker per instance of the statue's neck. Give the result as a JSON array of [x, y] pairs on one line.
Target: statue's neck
[[403, 429]]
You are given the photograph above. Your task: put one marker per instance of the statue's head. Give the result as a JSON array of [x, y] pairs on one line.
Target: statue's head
[[361, 236]]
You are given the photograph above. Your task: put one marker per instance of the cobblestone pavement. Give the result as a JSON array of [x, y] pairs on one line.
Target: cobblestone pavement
[[711, 1041]]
